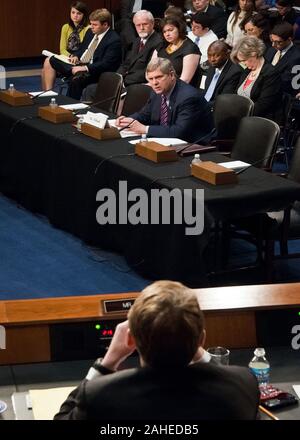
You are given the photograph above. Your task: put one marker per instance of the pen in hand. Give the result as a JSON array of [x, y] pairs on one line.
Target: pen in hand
[[126, 126]]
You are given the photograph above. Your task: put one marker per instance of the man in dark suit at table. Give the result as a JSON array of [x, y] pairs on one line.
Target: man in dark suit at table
[[99, 52], [175, 381], [175, 109], [223, 75], [284, 55]]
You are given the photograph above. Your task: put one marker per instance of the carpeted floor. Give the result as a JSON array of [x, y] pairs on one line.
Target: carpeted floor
[[37, 260]]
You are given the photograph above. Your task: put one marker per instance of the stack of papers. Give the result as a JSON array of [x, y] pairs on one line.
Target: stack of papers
[[74, 106], [43, 94], [235, 165]]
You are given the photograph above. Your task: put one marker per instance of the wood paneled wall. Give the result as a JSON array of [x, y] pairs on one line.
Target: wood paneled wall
[[29, 26]]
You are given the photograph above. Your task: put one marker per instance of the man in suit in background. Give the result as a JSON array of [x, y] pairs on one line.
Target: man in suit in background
[[284, 55], [223, 75], [175, 381], [175, 109], [99, 52], [134, 67], [127, 9]]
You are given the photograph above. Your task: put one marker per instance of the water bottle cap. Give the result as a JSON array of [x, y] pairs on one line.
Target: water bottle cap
[[259, 352], [52, 99], [11, 86], [197, 156]]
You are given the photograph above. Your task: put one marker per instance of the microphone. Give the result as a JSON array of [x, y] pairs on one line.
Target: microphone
[[180, 149], [103, 101], [256, 162]]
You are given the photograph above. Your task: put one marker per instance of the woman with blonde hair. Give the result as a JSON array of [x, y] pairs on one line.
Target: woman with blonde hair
[[260, 82]]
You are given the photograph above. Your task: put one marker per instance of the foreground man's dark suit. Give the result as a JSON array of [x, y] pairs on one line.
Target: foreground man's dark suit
[[198, 392], [189, 118]]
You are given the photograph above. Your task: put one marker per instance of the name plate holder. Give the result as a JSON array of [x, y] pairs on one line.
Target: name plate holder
[[100, 133], [15, 98], [213, 173], [56, 115], [155, 152], [117, 306]]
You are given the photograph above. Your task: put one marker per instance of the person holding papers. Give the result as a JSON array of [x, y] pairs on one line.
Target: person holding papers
[[72, 34], [175, 109], [99, 52]]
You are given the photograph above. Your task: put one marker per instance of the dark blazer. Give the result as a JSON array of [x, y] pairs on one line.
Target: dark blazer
[[197, 392], [190, 116], [219, 21], [266, 92], [134, 67], [107, 56], [228, 80], [157, 7], [284, 66]]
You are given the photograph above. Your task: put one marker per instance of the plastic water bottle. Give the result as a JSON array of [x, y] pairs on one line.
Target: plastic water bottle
[[11, 88], [196, 159], [144, 138], [260, 367], [53, 103], [79, 123]]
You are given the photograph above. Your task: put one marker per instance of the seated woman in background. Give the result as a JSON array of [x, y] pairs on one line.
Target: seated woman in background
[[258, 26], [236, 20], [259, 81], [72, 34], [180, 50]]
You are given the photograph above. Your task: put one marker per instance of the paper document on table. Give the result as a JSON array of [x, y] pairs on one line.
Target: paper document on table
[[43, 94], [168, 142], [235, 165], [63, 58], [74, 106], [297, 390], [46, 403], [123, 133]]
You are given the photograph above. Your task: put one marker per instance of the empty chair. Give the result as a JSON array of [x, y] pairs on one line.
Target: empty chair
[[289, 219], [228, 111], [256, 141], [136, 97], [108, 91]]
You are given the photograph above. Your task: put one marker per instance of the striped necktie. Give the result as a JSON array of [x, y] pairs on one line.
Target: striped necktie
[[163, 111], [89, 53]]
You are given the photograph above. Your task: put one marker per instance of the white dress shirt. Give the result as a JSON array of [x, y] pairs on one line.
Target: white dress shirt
[[204, 43]]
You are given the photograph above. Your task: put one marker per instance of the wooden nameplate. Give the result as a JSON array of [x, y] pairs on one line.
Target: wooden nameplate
[[155, 152], [100, 133], [56, 115], [213, 173], [15, 98]]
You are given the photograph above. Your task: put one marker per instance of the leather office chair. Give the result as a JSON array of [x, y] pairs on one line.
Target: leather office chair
[[136, 97], [289, 219], [228, 111], [258, 150], [108, 91], [256, 141]]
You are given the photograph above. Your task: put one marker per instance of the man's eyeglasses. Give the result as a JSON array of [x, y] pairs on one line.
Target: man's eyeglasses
[[277, 42]]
